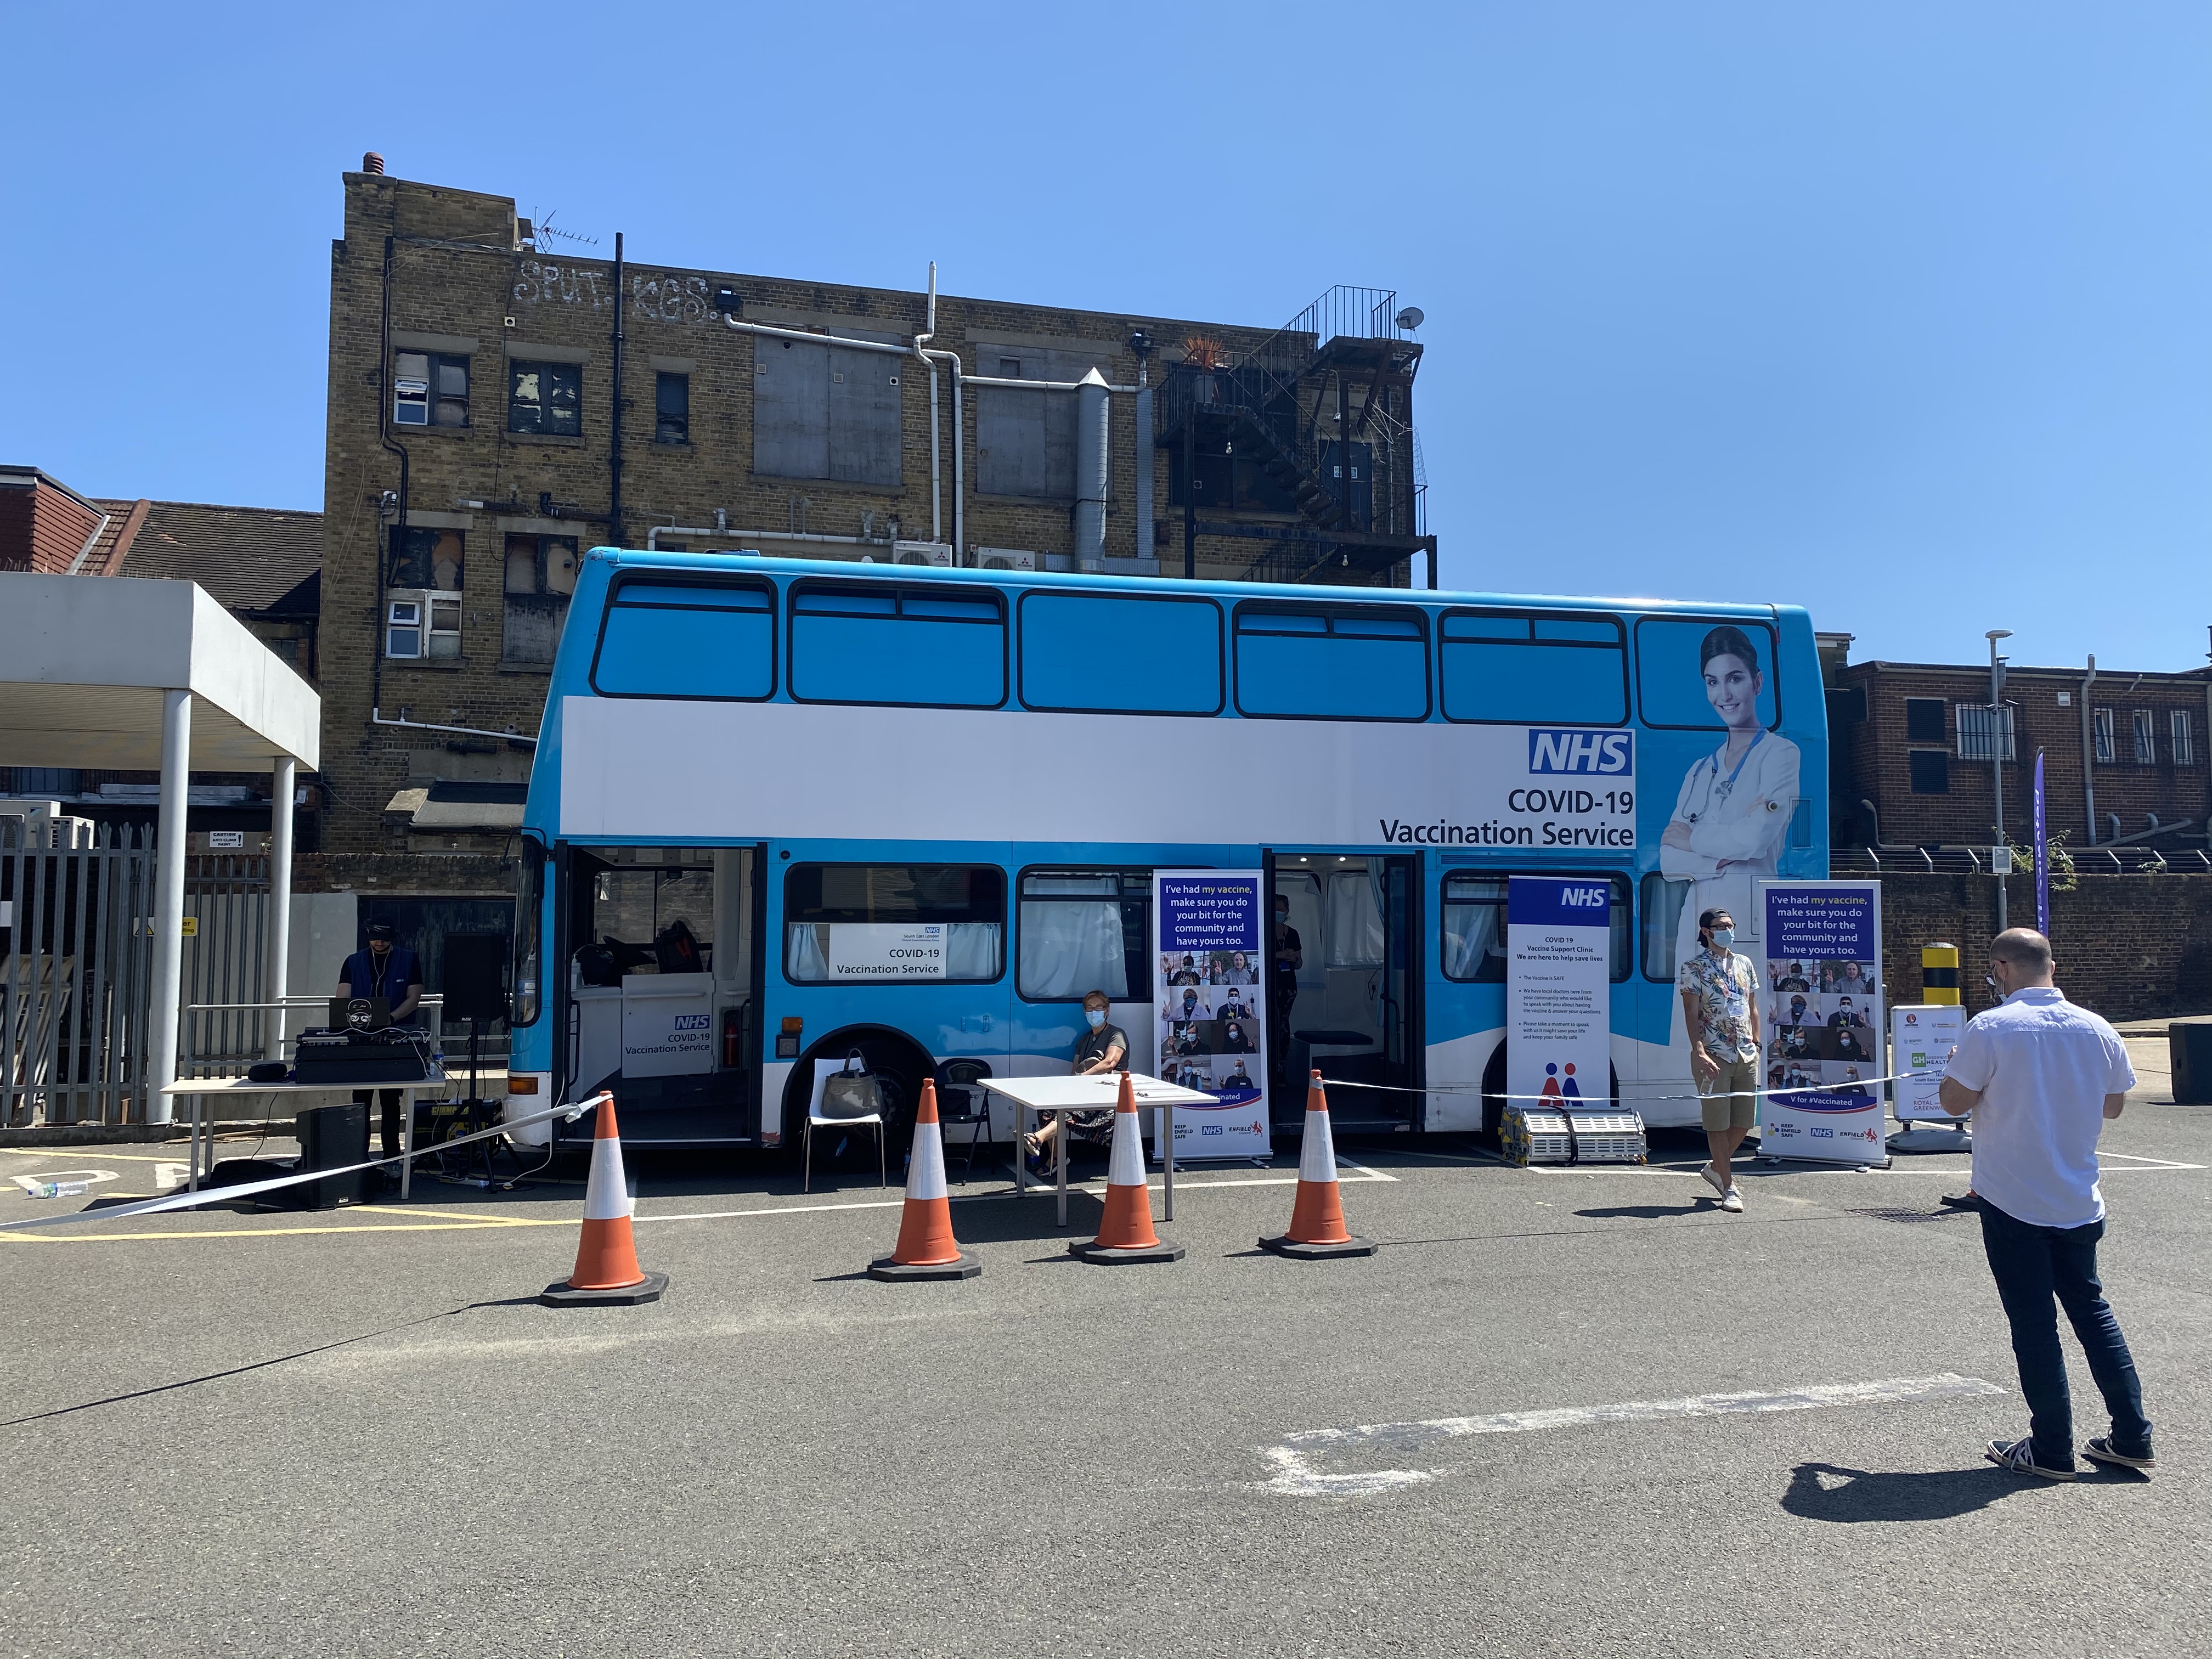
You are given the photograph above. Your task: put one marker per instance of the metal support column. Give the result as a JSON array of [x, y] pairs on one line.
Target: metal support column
[[279, 956], [168, 918]]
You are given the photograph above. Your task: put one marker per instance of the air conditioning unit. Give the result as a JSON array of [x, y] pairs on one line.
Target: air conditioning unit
[[1006, 559], [938, 554]]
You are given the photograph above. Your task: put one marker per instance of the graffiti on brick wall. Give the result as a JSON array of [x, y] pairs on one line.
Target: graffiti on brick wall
[[542, 281], [671, 299]]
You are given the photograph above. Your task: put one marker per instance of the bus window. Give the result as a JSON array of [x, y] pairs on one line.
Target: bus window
[[894, 923], [1474, 928], [1121, 653], [1670, 686], [670, 639], [1085, 931], [1663, 900], [938, 648], [524, 971], [1352, 664], [1534, 670]]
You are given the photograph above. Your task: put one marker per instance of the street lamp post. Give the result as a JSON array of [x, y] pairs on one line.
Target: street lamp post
[[1997, 758]]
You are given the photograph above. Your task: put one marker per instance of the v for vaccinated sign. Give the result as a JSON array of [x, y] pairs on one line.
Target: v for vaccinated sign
[[1210, 1032], [1821, 1031], [1559, 942]]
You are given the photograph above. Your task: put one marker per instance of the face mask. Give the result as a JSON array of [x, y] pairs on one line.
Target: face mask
[[1723, 938], [1989, 981], [1095, 1016]]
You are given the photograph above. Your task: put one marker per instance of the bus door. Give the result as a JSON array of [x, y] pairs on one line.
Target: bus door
[[1350, 1005]]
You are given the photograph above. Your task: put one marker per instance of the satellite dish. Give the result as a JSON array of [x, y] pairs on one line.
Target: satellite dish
[[1411, 316]]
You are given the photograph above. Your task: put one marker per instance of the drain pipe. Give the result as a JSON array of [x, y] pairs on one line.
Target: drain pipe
[[936, 464], [1141, 344], [2089, 752], [377, 717], [1091, 446]]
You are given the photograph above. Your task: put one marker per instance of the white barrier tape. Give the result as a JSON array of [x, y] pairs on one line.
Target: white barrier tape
[[1782, 1095], [250, 1189]]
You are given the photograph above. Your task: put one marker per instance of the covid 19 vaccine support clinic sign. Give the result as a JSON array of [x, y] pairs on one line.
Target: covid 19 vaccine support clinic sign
[[1559, 945]]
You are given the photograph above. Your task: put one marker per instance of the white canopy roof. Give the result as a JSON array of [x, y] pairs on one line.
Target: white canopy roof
[[84, 661]]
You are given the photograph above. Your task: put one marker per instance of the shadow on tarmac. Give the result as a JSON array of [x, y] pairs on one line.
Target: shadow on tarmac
[[1938, 1495], [1642, 1212]]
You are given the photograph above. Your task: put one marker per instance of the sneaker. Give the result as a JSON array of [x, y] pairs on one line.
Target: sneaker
[[2019, 1456], [1960, 1201], [1732, 1201], [1713, 1180], [2102, 1452]]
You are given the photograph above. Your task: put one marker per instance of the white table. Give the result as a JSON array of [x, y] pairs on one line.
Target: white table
[[1059, 1096], [195, 1088]]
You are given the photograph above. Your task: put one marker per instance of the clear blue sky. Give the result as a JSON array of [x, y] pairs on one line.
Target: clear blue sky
[[1900, 312]]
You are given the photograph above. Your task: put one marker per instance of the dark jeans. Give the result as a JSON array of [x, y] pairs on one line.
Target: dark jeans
[[389, 1126], [2032, 1265]]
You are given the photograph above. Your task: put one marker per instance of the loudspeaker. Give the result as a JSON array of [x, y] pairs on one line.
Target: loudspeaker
[[474, 972], [331, 1137]]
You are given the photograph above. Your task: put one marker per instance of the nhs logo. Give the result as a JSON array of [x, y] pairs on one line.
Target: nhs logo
[[1585, 898], [1599, 754]]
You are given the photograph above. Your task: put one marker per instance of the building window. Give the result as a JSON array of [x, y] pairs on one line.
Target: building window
[[429, 388], [541, 574], [2145, 738], [672, 406], [422, 625], [41, 782], [426, 558], [545, 397], [1923, 720], [1985, 734], [2184, 748], [2100, 725], [1931, 771]]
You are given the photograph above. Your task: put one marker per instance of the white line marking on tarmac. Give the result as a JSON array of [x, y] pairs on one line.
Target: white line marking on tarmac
[[1296, 1476]]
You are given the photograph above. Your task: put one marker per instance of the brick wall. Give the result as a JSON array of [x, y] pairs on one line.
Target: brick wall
[[2130, 947], [1872, 756], [42, 527]]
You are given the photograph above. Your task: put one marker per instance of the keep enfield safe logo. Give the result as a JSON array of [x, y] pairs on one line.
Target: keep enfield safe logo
[[1579, 790]]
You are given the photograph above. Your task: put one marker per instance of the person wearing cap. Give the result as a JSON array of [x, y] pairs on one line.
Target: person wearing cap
[[1720, 1006], [389, 969], [2042, 1078]]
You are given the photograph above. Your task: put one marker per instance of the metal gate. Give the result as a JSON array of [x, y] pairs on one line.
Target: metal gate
[[75, 969], [225, 963]]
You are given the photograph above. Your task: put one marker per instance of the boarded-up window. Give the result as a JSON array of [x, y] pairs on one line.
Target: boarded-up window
[[1025, 440], [825, 411]]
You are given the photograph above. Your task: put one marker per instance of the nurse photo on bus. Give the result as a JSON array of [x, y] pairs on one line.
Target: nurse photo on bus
[[1733, 813]]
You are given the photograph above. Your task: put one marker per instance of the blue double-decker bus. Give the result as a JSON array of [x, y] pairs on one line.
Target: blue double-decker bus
[[761, 781]]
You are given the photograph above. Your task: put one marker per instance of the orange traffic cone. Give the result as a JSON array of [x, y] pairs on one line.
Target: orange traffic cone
[[1317, 1228], [607, 1273], [1125, 1233], [926, 1247]]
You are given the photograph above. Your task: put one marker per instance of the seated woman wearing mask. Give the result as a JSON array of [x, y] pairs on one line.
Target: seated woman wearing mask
[[1101, 1048]]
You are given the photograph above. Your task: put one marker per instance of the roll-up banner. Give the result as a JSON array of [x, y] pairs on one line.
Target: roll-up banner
[[1821, 1021], [1558, 943], [1211, 1016], [1921, 1039]]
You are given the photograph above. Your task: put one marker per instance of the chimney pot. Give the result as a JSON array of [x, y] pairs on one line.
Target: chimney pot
[[372, 162]]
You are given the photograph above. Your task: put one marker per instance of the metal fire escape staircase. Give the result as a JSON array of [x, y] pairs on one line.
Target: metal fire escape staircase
[[1325, 395]]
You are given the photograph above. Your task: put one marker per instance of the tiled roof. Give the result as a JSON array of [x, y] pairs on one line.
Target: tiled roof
[[249, 558]]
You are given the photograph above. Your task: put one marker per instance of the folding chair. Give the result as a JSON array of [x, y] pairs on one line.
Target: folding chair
[[963, 1100], [826, 1116]]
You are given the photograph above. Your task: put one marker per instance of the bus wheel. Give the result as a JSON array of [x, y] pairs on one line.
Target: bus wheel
[[895, 1058]]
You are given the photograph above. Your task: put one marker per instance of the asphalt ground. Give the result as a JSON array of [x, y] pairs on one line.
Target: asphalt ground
[[358, 1432]]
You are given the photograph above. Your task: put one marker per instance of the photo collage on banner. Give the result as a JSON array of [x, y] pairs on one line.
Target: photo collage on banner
[[1821, 1007], [1210, 1013]]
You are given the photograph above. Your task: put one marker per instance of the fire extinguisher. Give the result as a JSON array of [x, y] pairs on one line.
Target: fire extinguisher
[[730, 1021]]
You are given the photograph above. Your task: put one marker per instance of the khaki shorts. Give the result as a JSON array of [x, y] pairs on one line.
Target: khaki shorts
[[1731, 1099]]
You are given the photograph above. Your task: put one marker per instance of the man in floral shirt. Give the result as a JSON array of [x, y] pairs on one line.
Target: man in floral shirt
[[1720, 1008]]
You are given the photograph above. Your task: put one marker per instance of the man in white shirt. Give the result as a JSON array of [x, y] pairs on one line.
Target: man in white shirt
[[2041, 1077]]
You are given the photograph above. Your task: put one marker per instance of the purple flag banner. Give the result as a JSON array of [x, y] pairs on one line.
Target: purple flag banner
[[2042, 857]]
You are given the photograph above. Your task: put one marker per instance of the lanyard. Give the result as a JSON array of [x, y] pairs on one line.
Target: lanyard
[[1726, 787]]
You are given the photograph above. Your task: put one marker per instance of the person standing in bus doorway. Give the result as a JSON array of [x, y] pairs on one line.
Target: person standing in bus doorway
[[1289, 955], [2042, 1079], [388, 969], [1720, 1006], [1733, 812]]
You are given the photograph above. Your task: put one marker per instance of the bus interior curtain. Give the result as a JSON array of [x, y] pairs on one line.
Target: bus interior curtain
[[1355, 921], [971, 949], [809, 955], [1471, 937], [1071, 949]]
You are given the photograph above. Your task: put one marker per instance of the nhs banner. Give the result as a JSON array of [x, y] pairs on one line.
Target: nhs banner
[[1571, 750], [1559, 944]]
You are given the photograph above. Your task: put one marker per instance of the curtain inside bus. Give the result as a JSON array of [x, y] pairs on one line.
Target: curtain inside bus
[[1071, 947]]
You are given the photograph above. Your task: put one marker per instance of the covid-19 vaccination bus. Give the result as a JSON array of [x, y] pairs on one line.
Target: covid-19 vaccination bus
[[756, 775]]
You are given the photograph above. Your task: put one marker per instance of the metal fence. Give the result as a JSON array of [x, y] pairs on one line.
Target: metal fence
[[2121, 860], [76, 972]]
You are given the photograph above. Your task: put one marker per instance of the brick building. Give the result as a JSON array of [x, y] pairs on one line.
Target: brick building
[[263, 565], [477, 448], [1911, 749]]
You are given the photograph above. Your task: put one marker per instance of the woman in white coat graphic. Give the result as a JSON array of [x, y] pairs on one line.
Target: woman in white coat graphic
[[1733, 814]]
